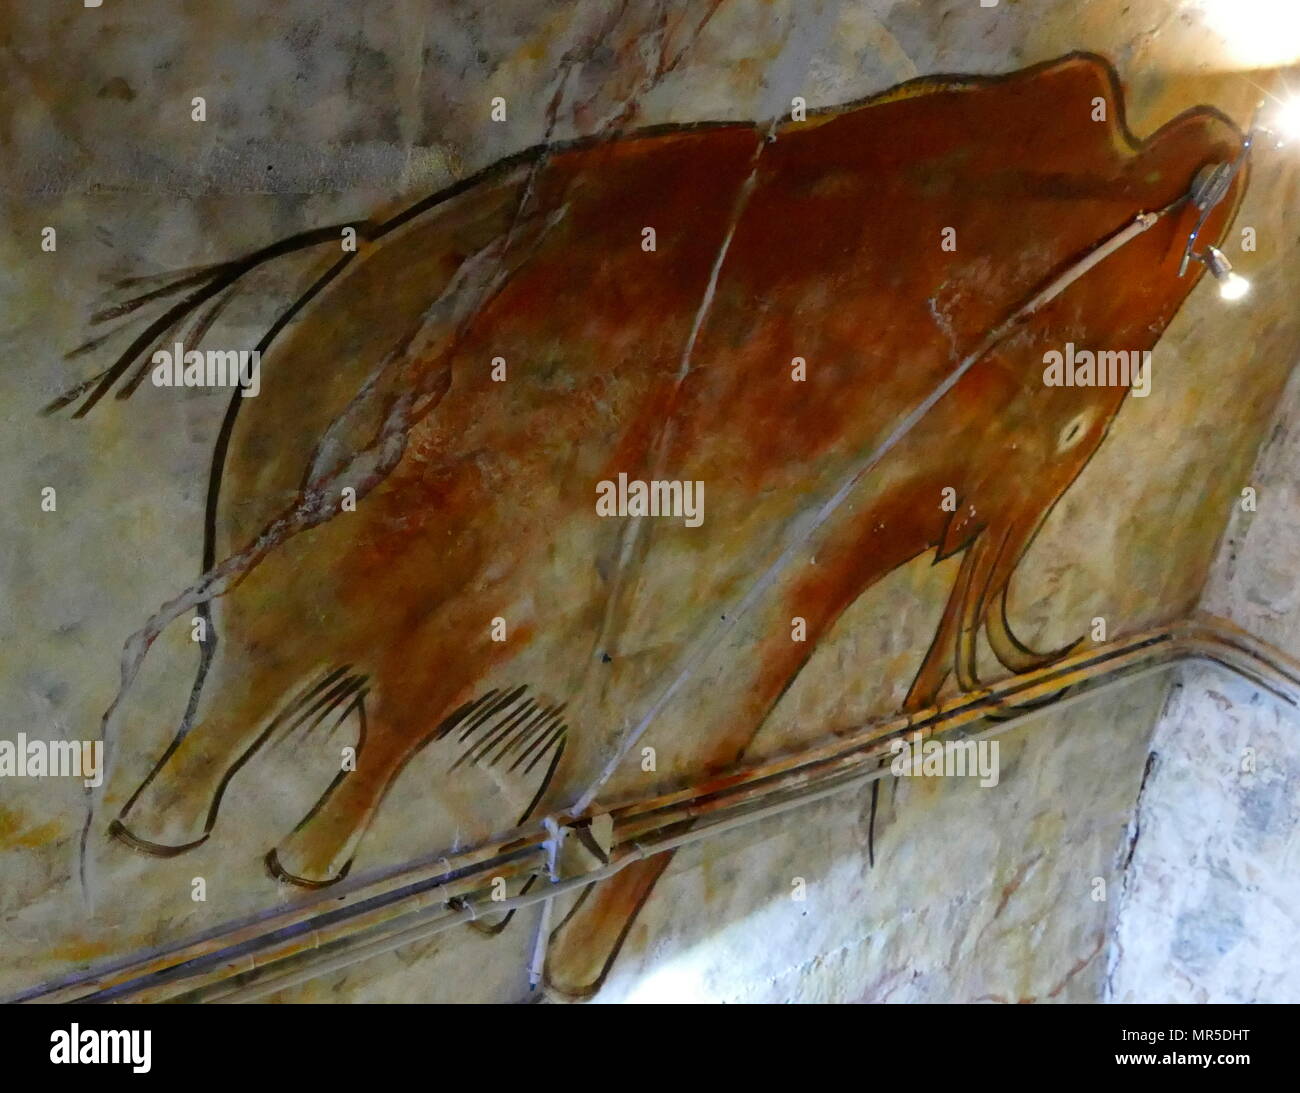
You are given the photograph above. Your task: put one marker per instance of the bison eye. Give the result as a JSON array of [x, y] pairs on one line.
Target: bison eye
[[1075, 430]]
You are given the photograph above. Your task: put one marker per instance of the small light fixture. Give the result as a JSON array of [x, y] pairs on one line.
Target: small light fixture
[[1232, 286]]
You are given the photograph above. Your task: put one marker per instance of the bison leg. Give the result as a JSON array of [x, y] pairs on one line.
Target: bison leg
[[517, 735], [583, 946], [175, 807], [1011, 652], [954, 640]]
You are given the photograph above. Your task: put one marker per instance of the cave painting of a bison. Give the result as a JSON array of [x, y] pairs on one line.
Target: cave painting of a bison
[[486, 360]]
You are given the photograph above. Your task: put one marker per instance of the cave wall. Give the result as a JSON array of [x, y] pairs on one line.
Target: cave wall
[[324, 113]]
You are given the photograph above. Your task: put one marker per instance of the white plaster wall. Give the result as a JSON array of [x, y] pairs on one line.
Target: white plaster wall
[[1209, 909]]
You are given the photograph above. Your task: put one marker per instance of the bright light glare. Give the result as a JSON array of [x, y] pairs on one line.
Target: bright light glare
[[1286, 119], [1233, 287], [1257, 33], [671, 984]]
